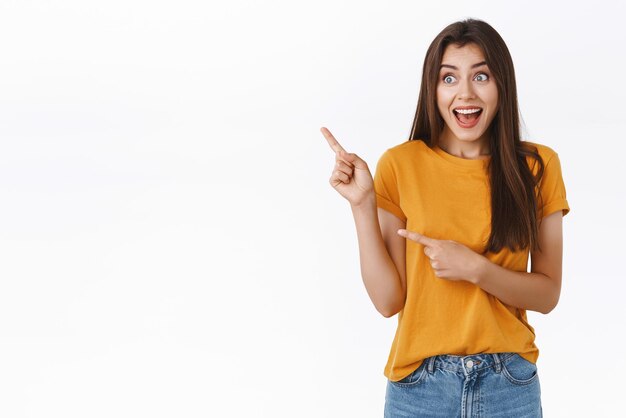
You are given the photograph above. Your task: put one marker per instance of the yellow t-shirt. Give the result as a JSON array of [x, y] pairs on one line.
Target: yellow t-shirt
[[447, 197]]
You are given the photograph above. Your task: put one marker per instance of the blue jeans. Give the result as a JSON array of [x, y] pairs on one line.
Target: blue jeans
[[478, 385]]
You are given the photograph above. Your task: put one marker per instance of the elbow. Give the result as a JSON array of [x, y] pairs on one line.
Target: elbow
[[554, 300], [387, 313], [391, 310], [393, 302], [550, 307]]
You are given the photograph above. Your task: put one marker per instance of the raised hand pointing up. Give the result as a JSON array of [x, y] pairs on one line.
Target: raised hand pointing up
[[351, 176]]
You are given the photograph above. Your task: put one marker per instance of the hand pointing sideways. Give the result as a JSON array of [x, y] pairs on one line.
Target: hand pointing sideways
[[449, 259]]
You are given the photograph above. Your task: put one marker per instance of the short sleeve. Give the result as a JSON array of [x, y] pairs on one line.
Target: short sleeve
[[552, 188], [386, 186]]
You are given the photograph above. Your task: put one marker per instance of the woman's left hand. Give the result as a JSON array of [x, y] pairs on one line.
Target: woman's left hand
[[449, 259]]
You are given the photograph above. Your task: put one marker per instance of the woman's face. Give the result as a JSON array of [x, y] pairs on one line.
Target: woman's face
[[466, 85]]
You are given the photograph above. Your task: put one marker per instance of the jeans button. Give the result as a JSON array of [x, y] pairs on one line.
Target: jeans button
[[469, 364]]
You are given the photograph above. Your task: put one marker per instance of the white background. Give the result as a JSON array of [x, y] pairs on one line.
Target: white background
[[170, 245]]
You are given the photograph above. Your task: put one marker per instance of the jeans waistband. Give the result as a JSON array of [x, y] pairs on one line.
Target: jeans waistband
[[467, 364]]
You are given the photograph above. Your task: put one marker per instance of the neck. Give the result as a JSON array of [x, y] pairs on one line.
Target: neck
[[477, 149]]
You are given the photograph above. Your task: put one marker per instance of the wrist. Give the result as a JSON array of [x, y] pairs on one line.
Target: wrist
[[480, 270], [368, 202]]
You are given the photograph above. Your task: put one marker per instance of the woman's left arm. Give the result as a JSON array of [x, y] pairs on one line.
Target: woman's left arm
[[538, 290]]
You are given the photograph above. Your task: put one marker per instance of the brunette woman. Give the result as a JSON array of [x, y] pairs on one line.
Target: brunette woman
[[445, 230]]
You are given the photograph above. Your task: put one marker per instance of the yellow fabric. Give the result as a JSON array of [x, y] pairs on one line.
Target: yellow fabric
[[447, 197]]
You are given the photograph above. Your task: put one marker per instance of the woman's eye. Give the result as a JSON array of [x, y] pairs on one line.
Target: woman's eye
[[448, 79], [485, 77]]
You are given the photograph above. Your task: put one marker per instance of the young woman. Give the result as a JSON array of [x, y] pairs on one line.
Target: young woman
[[445, 229]]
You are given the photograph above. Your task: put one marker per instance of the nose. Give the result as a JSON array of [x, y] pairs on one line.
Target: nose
[[466, 90]]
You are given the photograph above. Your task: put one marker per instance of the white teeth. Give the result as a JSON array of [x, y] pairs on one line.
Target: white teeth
[[467, 111]]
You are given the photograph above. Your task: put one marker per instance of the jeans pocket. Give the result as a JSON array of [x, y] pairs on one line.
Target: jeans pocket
[[519, 371], [415, 377]]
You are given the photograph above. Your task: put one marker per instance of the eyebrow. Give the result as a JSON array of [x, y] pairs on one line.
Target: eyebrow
[[456, 68]]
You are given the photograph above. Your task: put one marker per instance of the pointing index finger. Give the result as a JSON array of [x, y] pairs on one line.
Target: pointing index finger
[[414, 236], [334, 144]]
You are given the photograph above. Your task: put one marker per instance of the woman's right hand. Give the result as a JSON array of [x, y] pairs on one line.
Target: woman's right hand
[[351, 176]]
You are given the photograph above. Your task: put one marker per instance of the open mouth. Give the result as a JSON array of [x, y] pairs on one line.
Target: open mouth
[[468, 118]]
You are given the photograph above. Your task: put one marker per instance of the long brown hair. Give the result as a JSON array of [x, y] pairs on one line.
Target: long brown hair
[[514, 210]]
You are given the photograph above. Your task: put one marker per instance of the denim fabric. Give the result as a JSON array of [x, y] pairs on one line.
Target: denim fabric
[[478, 385]]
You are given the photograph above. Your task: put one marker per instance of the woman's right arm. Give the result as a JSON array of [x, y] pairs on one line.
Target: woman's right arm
[[383, 257], [381, 249]]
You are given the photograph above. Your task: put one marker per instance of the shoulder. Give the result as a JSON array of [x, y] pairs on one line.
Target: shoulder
[[405, 150], [546, 152]]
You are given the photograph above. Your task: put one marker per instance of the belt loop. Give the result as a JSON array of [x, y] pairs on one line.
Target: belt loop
[[496, 359], [431, 364]]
